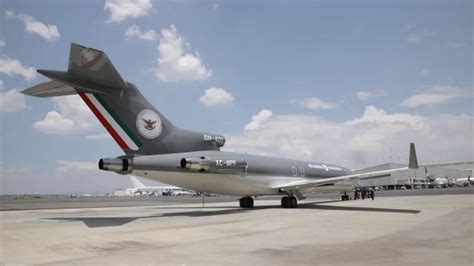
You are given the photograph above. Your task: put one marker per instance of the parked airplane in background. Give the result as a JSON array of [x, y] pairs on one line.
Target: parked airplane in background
[[140, 188], [156, 149], [438, 182], [464, 182]]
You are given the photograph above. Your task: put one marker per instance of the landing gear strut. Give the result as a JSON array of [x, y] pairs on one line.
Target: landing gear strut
[[246, 202], [344, 197], [289, 202]]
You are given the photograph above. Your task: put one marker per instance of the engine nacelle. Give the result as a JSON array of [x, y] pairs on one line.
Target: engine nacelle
[[118, 165], [200, 164], [204, 164]]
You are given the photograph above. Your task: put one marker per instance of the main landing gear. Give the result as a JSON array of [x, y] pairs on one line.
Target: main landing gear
[[246, 202], [286, 202], [344, 197], [289, 202]]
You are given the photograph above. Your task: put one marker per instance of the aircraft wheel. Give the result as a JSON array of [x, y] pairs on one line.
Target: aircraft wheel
[[289, 202], [285, 202], [293, 202], [246, 202]]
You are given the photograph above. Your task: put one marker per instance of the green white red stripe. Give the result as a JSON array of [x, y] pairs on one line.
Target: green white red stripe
[[117, 129]]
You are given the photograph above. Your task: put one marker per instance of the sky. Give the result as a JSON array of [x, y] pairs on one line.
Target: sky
[[344, 82]]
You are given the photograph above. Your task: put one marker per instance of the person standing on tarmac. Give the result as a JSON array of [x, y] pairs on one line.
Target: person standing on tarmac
[[372, 193]]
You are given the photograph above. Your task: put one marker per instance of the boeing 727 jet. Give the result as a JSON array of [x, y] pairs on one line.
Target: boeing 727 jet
[[156, 149]]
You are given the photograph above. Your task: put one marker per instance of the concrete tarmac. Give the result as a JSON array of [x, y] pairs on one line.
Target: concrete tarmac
[[421, 229]]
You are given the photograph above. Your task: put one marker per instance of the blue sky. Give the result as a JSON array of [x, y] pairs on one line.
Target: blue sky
[[348, 82]]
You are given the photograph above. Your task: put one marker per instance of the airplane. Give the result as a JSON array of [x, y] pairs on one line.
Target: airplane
[[464, 181], [140, 188], [439, 182], [436, 182], [158, 150]]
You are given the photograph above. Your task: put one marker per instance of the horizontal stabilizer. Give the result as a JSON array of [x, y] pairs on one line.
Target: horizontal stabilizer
[[89, 71], [79, 83], [50, 88], [94, 65]]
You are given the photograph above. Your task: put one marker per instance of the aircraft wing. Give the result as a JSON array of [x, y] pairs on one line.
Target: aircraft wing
[[341, 183], [353, 178]]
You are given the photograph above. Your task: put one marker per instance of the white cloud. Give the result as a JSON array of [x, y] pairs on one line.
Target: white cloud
[[314, 104], [71, 115], [14, 67], [67, 166], [12, 100], [99, 136], [174, 63], [374, 115], [259, 119], [363, 141], [55, 123], [216, 96], [124, 9], [2, 43], [435, 95], [371, 94], [135, 32], [48, 32]]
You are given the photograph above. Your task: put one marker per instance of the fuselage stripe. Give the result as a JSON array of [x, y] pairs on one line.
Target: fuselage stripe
[[130, 143], [104, 122], [132, 136]]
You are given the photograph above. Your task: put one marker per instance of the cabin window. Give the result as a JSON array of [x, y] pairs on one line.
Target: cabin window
[[295, 171], [302, 171]]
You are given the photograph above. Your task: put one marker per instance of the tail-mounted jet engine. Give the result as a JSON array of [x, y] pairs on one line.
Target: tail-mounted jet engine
[[118, 165]]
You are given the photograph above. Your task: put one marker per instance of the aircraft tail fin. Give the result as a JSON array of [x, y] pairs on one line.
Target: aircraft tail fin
[[134, 123], [412, 161], [94, 65], [136, 183], [130, 119]]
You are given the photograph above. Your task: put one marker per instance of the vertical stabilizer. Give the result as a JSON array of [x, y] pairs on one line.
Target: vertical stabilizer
[[94, 65], [412, 161], [136, 183]]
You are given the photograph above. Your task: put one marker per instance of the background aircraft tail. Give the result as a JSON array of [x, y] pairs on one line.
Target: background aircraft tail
[[134, 123], [136, 183]]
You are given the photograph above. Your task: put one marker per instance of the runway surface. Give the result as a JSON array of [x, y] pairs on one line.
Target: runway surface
[[392, 230]]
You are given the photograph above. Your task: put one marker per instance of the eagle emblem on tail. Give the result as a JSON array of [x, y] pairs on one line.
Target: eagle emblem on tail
[[149, 124]]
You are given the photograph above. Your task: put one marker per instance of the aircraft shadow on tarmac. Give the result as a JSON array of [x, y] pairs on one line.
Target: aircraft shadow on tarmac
[[92, 222]]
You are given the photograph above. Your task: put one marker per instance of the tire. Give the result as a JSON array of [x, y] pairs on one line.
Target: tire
[[285, 202], [250, 203], [246, 202], [293, 202]]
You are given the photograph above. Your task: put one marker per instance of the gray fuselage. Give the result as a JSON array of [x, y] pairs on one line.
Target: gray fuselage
[[260, 175]]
